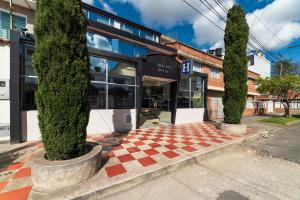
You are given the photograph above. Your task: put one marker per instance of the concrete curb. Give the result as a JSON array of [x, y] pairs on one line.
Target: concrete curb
[[132, 182], [293, 123]]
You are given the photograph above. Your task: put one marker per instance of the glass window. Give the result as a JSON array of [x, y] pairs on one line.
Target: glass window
[[120, 85], [28, 79], [28, 97], [214, 73], [98, 18], [18, 21], [28, 67], [121, 72], [147, 36], [197, 67], [184, 93], [97, 95], [98, 68], [130, 29], [191, 92], [197, 92], [121, 96], [115, 45], [99, 42]]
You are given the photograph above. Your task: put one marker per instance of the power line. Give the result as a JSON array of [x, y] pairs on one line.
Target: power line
[[203, 15], [271, 56], [251, 35], [244, 3]]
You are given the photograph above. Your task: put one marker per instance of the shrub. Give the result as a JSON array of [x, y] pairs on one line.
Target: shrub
[[62, 65], [235, 65]]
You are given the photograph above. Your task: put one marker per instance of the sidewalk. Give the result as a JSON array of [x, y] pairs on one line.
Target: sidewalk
[[128, 159]]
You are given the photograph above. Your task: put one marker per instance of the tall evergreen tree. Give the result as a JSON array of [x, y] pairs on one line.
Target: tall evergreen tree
[[62, 65], [235, 65]]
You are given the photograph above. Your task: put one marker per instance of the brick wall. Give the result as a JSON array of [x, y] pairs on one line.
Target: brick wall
[[215, 85], [209, 61]]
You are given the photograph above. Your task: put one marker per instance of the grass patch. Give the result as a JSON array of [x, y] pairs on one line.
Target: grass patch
[[282, 120]]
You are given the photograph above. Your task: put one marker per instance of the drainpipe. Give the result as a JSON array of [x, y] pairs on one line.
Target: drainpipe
[[11, 15]]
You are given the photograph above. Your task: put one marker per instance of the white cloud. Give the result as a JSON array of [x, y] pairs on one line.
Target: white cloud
[[106, 6], [280, 16], [166, 13], [91, 2]]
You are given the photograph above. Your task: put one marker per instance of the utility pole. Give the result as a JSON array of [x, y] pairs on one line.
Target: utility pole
[[281, 67]]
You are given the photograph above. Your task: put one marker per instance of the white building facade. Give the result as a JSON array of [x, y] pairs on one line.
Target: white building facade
[[259, 64]]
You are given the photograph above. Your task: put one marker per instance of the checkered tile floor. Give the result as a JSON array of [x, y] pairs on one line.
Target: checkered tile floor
[[124, 154]]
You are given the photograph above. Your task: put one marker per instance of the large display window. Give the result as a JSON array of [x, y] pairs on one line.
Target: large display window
[[191, 91], [113, 82]]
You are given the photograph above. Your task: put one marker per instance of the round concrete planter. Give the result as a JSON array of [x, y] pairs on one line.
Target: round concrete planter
[[52, 175], [233, 128]]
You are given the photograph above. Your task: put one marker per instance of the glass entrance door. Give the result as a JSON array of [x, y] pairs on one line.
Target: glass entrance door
[[156, 103]]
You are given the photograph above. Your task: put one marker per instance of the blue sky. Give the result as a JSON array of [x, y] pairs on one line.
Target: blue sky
[[176, 19]]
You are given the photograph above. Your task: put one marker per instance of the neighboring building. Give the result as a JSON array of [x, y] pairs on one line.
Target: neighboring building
[[258, 63], [212, 67], [23, 17]]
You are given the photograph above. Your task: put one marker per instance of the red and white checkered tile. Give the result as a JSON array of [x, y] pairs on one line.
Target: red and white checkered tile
[[140, 150]]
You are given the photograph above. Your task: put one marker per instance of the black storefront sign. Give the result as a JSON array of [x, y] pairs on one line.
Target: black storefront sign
[[161, 66]]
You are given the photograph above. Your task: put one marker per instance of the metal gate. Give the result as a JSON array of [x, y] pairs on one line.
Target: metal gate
[[217, 108]]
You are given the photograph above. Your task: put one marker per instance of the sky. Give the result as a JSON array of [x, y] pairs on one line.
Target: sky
[[275, 24]]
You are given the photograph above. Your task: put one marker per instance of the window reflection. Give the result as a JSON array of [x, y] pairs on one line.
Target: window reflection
[[97, 96], [98, 69], [28, 97], [191, 96], [28, 53], [125, 27], [115, 45], [120, 83], [130, 29], [121, 97], [197, 92], [121, 73]]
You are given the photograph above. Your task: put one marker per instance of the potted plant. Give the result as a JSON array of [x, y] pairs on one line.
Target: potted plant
[[62, 65]]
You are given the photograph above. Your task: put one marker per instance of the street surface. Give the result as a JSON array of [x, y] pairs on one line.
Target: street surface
[[254, 172], [285, 144]]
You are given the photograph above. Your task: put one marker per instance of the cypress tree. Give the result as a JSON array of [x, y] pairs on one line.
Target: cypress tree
[[62, 65], [235, 65]]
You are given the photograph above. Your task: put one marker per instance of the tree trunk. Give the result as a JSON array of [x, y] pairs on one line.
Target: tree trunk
[[287, 110]]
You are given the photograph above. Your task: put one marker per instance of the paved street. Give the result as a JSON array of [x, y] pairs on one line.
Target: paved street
[[231, 176], [285, 144]]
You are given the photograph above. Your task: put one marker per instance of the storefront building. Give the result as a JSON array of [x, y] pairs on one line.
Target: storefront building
[[136, 81], [212, 67]]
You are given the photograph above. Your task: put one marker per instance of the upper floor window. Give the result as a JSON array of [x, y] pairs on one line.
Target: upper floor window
[[120, 25], [197, 67], [115, 45], [19, 22], [215, 73]]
